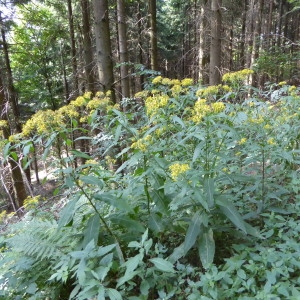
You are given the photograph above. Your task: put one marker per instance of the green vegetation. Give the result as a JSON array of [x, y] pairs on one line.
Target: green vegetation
[[193, 196]]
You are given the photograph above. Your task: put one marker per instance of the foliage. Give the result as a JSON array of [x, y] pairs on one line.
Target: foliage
[[194, 196]]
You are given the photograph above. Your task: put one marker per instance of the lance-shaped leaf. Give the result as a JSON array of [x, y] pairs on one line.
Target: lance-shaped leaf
[[206, 247], [192, 232], [162, 264], [231, 213]]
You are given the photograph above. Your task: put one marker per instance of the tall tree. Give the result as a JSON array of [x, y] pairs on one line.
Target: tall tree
[[87, 45], [153, 35], [73, 50], [123, 48], [215, 45], [103, 47]]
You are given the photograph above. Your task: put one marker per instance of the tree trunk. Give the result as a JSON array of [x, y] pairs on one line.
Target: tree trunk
[[19, 190], [11, 92], [123, 52], [75, 92], [215, 45], [87, 46], [103, 47], [153, 35]]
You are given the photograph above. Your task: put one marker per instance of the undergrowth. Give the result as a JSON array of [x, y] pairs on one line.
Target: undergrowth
[[192, 196]]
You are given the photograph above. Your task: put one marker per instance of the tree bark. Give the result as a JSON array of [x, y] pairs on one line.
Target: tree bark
[[215, 45], [19, 190], [87, 46], [153, 35], [203, 44], [103, 47], [123, 49], [75, 92]]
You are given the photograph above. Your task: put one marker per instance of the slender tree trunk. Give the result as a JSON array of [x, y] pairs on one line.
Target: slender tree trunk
[[140, 43], [19, 190], [123, 52], [203, 44], [75, 92], [215, 45], [87, 45], [103, 46], [153, 35], [12, 94], [256, 37]]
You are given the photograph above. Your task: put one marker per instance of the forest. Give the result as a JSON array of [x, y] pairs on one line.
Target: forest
[[149, 149]]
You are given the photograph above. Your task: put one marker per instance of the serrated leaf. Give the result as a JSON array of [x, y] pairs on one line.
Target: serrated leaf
[[206, 248], [192, 232], [162, 264], [198, 150]]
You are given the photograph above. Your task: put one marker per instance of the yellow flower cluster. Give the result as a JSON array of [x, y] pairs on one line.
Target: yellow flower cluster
[[69, 111], [282, 83], [80, 101], [142, 144], [32, 202], [44, 121], [3, 215], [177, 169], [217, 107], [242, 141], [3, 124], [271, 141], [238, 76], [154, 103], [187, 82], [202, 109], [157, 80]]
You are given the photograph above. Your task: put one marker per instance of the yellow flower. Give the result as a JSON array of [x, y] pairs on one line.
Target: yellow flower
[[31, 202], [218, 107], [157, 80], [176, 89], [166, 81], [177, 169], [175, 81], [187, 82], [237, 76], [282, 83], [200, 110], [271, 141], [3, 124], [154, 103], [242, 141]]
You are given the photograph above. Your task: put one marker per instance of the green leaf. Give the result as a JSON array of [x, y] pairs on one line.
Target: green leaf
[[27, 149], [231, 213], [104, 250], [155, 223], [114, 294], [67, 213], [198, 150], [206, 248], [178, 120], [162, 264], [241, 273], [115, 201], [92, 230], [209, 188], [92, 180], [80, 154], [192, 232]]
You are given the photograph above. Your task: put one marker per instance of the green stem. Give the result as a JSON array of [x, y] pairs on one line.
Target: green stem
[[121, 256], [146, 188]]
